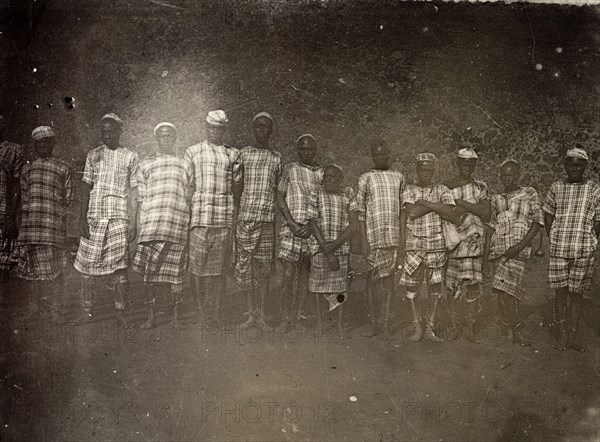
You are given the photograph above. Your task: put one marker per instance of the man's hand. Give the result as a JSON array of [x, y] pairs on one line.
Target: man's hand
[[328, 247], [333, 263], [132, 232], [485, 269], [400, 259], [84, 229], [512, 252], [366, 249], [12, 231], [304, 231]]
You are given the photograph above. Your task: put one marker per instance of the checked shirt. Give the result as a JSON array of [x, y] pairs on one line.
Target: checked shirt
[[512, 216], [330, 211], [46, 193], [261, 170], [163, 184], [298, 182], [378, 204], [215, 168], [112, 173], [575, 207], [426, 233]]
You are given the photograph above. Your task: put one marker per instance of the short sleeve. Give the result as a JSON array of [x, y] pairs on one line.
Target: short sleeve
[[237, 168], [485, 191], [141, 181], [19, 162], [550, 203], [446, 196], [536, 214], [361, 198], [24, 182], [407, 196], [284, 181], [133, 170], [597, 207], [69, 186], [88, 171], [494, 215], [313, 205]]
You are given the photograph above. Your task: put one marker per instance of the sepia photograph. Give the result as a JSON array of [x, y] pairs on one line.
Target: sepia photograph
[[299, 220]]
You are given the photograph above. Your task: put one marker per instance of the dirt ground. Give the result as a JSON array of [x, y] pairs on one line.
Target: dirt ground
[[101, 382], [424, 76]]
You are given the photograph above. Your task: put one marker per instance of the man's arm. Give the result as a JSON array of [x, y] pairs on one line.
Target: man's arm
[[597, 227], [482, 209], [548, 220], [297, 229], [402, 246], [416, 210], [85, 202], [485, 267], [513, 251], [135, 208], [446, 211]]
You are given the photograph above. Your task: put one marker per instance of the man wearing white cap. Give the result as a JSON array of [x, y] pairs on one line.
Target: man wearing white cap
[[517, 218], [423, 206], [298, 181], [215, 174], [11, 162], [161, 254], [464, 262], [255, 230], [377, 206], [108, 212], [572, 221], [46, 193]]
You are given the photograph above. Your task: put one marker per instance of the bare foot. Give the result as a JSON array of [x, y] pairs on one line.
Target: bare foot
[[372, 332], [148, 324], [122, 320], [176, 324]]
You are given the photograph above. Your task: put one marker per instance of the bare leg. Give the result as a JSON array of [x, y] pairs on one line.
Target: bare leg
[[198, 287], [86, 298], [121, 290], [576, 311], [318, 300], [472, 305], [286, 294], [303, 275], [150, 299], [58, 286], [513, 312], [560, 315], [433, 301], [414, 307], [262, 291], [374, 295], [176, 299]]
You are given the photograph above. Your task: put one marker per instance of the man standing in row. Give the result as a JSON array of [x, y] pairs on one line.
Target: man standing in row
[[47, 192], [377, 204], [464, 262], [163, 187], [108, 212], [298, 181], [255, 233], [216, 172], [11, 162]]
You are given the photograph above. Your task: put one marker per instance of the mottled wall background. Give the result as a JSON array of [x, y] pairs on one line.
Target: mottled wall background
[[510, 80]]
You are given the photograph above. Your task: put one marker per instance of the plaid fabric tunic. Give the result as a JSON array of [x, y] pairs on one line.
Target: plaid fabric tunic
[[112, 173], [473, 192], [426, 233], [298, 181], [330, 211], [163, 183], [46, 193], [261, 170], [11, 162], [512, 216], [214, 168], [575, 206], [378, 204]]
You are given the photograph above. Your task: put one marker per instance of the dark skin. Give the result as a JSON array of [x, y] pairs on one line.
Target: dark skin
[[306, 149], [575, 169], [332, 181], [380, 155], [509, 175], [425, 172], [14, 191], [466, 168], [111, 135]]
